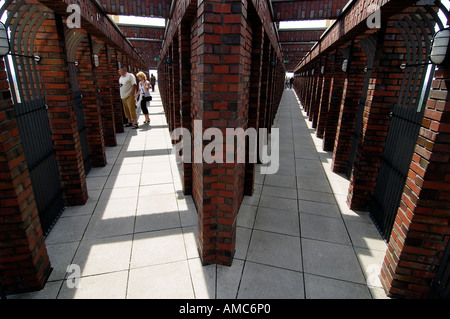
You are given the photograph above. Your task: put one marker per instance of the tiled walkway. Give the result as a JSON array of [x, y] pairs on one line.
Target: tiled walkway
[[136, 235]]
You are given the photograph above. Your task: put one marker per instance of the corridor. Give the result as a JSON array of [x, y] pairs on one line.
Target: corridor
[[136, 235]]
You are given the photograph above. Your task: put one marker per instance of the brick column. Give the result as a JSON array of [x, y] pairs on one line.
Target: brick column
[[328, 65], [421, 230], [382, 95], [353, 85], [24, 262], [170, 91], [59, 97], [254, 97], [334, 102], [222, 75], [113, 75], [264, 82], [309, 92], [184, 48], [316, 95], [104, 83], [176, 85], [87, 82], [270, 84]]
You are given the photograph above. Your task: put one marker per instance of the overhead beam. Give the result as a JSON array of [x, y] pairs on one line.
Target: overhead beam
[[147, 32], [149, 50], [293, 53], [307, 10], [299, 35], [139, 8]]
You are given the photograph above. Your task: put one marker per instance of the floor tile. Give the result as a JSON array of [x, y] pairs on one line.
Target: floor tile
[[277, 221], [278, 203], [68, 229], [203, 279], [313, 196], [61, 256], [317, 208], [128, 180], [324, 228], [99, 256], [246, 215], [279, 191], [365, 235], [158, 247], [266, 282], [166, 281], [228, 279], [105, 286], [276, 250], [326, 288], [331, 260]]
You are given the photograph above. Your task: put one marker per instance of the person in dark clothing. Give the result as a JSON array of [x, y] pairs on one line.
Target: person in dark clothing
[[152, 82]]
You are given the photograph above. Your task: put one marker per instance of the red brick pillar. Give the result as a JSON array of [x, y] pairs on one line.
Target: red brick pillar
[[176, 84], [327, 66], [316, 94], [221, 92], [353, 84], [263, 104], [113, 67], [87, 82], [102, 72], [334, 102], [302, 87], [309, 91], [24, 263], [184, 47], [384, 88], [255, 97], [170, 90], [269, 97], [422, 226], [59, 97]]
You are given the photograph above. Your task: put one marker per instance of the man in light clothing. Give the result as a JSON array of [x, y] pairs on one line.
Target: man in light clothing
[[128, 87]]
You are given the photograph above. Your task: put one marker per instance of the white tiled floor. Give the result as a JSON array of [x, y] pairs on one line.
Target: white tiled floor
[[136, 235]]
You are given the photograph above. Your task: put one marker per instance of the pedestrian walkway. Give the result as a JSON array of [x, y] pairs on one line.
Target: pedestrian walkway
[[136, 235]]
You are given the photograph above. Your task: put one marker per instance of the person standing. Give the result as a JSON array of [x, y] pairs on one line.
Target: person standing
[[152, 82], [144, 92], [128, 89]]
